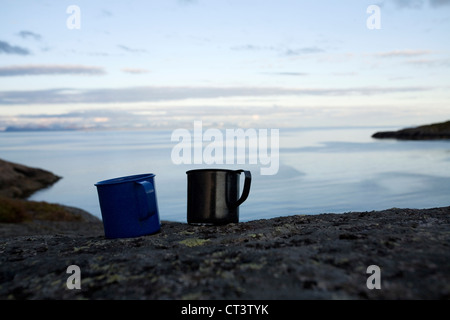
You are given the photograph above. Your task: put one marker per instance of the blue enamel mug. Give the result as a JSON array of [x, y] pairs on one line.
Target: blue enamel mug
[[128, 206]]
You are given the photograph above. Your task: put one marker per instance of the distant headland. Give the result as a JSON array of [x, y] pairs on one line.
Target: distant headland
[[436, 131], [39, 128]]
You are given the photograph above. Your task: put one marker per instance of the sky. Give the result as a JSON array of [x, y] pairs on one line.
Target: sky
[[230, 63]]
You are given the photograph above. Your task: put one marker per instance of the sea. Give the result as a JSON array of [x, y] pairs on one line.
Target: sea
[[321, 170]]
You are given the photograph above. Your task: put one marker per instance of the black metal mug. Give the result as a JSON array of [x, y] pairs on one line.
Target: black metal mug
[[213, 195]]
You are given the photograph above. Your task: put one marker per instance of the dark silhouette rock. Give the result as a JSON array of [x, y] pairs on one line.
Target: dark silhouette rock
[[437, 131], [19, 181]]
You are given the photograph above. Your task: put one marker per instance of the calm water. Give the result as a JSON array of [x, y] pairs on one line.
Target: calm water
[[321, 170]]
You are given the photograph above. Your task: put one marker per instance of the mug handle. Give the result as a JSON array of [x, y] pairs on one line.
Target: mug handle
[[246, 191], [148, 189]]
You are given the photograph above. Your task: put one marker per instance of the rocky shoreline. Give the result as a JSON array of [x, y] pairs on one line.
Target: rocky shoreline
[[322, 256], [436, 131], [306, 257], [19, 181]]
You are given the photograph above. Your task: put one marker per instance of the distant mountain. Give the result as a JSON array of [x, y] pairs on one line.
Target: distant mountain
[[436, 131], [38, 128]]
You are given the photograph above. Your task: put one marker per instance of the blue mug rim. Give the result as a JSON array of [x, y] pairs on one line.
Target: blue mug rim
[[125, 179]]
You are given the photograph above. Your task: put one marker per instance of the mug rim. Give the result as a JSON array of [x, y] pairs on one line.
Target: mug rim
[[125, 179], [212, 170]]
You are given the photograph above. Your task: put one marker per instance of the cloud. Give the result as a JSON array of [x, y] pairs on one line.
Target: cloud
[[287, 73], [186, 2], [418, 54], [128, 49], [106, 13], [429, 62], [154, 94], [403, 53], [308, 50], [439, 3], [5, 47], [251, 47], [135, 70], [223, 116], [66, 121], [28, 34], [418, 4], [34, 70], [344, 74], [410, 4], [283, 50]]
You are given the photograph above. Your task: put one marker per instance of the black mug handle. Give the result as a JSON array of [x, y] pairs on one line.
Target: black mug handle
[[246, 191]]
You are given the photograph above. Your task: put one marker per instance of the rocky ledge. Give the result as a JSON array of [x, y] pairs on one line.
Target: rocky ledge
[[322, 256], [19, 181], [437, 131]]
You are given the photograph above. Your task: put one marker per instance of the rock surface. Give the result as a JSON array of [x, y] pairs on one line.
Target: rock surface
[[19, 181], [437, 131], [297, 257]]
